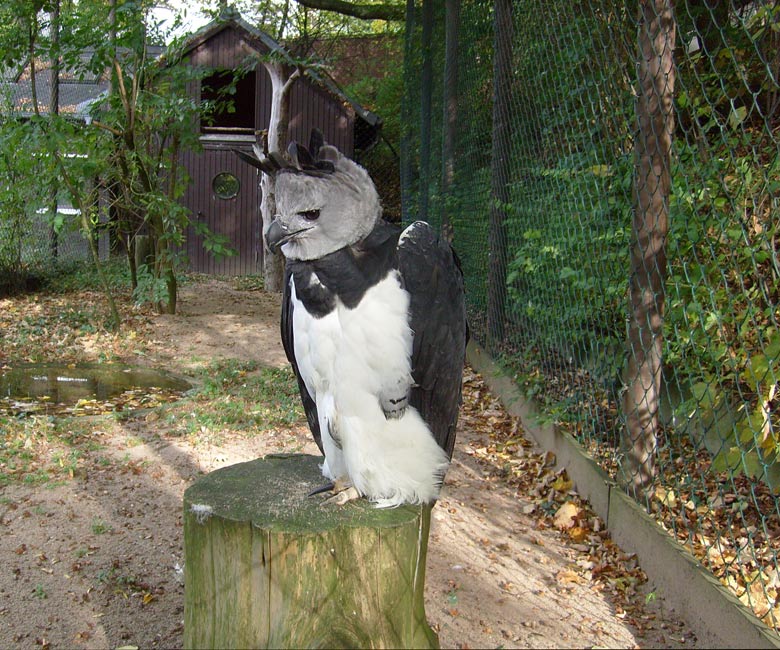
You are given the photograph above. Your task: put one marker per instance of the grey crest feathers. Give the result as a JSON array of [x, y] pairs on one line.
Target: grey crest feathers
[[314, 161], [324, 200]]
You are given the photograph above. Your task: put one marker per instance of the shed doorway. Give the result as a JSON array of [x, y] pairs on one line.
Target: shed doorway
[[224, 194]]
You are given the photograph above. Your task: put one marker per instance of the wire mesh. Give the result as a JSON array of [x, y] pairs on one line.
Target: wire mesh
[[648, 327], [31, 248]]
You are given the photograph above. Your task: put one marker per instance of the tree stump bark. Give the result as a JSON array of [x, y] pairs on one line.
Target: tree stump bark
[[267, 566]]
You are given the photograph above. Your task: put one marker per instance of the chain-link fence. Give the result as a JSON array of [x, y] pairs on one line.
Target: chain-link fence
[[39, 234], [31, 248], [610, 174]]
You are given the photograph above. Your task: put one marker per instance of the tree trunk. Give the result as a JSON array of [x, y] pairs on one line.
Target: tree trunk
[[278, 123], [85, 208], [648, 254], [407, 165], [452, 8], [166, 259], [268, 566], [142, 247], [499, 170], [86, 201], [130, 244], [54, 110], [426, 100]]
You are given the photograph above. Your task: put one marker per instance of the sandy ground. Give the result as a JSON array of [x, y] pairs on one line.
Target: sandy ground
[[96, 561]]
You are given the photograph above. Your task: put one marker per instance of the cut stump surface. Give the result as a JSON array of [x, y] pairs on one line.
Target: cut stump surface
[[268, 566]]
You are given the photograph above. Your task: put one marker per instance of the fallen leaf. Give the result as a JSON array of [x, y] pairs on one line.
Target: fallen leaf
[[567, 576], [562, 484], [666, 497], [566, 515], [578, 533]]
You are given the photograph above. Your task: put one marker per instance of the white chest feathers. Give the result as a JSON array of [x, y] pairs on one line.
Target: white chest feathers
[[355, 364]]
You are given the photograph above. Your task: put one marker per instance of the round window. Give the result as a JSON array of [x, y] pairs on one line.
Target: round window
[[225, 185]]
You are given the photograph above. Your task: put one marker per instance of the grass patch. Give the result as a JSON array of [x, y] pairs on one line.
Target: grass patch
[[248, 282], [21, 443], [239, 396], [64, 321], [35, 449], [100, 527], [233, 396], [51, 326], [78, 432]]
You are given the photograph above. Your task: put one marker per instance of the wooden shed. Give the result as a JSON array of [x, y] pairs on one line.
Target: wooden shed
[[224, 193]]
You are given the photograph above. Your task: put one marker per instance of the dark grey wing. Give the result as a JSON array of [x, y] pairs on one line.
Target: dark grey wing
[[430, 272], [288, 341]]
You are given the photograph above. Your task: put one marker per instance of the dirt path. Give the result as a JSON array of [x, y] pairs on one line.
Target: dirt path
[[96, 560]]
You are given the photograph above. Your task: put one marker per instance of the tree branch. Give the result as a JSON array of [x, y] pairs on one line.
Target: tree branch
[[291, 79], [385, 11]]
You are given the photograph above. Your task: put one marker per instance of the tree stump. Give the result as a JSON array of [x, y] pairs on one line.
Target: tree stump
[[268, 566]]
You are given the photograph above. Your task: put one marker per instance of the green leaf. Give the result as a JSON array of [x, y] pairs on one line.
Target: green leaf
[[757, 370], [737, 116]]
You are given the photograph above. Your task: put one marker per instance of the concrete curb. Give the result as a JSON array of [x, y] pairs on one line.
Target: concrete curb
[[713, 613]]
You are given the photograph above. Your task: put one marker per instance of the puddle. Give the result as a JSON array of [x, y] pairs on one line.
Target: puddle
[[33, 387]]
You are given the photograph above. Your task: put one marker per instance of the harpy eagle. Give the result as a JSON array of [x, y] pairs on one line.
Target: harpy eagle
[[373, 322]]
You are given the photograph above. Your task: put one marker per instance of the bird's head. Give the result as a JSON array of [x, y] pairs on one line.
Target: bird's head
[[324, 201]]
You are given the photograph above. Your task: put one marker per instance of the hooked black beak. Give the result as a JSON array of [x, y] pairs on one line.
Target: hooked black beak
[[278, 234]]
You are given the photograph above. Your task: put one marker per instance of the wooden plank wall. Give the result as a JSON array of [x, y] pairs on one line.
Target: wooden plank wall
[[237, 218], [311, 106]]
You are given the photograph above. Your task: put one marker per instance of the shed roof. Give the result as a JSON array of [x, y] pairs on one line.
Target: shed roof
[[78, 90], [231, 18]]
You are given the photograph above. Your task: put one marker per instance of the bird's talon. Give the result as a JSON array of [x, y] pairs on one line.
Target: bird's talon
[[328, 487], [342, 497]]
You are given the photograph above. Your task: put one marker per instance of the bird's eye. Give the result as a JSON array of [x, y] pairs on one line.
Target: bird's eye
[[310, 215]]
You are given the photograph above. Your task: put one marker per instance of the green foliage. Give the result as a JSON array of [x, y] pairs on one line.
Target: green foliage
[[724, 280], [149, 288], [155, 122], [23, 249], [215, 243], [569, 214], [724, 286], [567, 230], [574, 257], [132, 146], [383, 93], [724, 80], [379, 87]]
